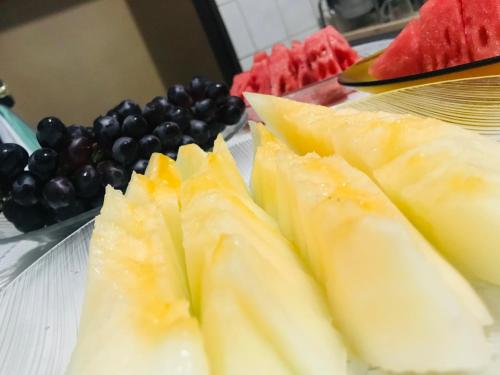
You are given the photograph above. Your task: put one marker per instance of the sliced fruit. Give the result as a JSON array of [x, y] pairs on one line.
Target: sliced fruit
[[190, 160], [243, 288], [259, 75], [482, 27], [162, 168], [343, 52], [448, 33], [214, 170], [240, 84], [442, 35], [320, 56], [406, 50], [446, 179], [241, 271], [453, 196], [156, 198], [282, 71], [283, 118], [218, 176], [305, 75], [382, 278], [136, 315]]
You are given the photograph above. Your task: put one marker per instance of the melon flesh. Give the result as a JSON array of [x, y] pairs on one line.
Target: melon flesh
[[442, 35], [482, 27], [135, 317], [382, 278], [241, 271], [403, 56], [460, 178]]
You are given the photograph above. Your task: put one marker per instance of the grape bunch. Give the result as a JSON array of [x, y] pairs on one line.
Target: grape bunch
[[67, 175]]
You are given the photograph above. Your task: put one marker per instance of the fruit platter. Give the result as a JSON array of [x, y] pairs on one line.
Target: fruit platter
[[333, 242], [342, 241]]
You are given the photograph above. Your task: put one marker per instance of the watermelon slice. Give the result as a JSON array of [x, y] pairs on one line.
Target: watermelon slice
[[340, 47], [320, 56], [323, 55], [240, 84], [305, 75], [442, 35], [282, 71], [259, 77], [260, 56], [448, 33], [402, 57], [482, 27]]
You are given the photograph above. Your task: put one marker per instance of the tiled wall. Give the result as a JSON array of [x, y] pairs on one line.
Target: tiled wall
[[255, 25]]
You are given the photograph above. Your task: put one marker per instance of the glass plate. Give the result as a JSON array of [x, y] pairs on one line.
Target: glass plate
[[40, 309], [19, 250], [358, 76]]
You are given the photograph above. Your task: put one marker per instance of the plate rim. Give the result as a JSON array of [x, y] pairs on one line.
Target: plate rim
[[414, 77]]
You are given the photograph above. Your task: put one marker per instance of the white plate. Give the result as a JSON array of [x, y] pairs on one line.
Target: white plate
[[40, 309]]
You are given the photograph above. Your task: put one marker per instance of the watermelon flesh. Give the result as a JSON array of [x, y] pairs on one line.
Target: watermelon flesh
[[323, 55], [260, 56], [282, 71], [305, 75], [320, 56], [402, 57], [240, 84], [448, 33], [442, 35], [341, 49], [259, 77], [482, 27]]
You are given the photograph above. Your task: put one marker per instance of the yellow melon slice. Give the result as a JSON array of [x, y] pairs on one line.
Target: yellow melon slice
[[398, 303], [136, 317], [444, 178]]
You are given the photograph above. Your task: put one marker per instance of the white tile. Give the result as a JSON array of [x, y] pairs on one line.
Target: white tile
[[297, 15], [238, 32], [222, 2], [264, 21], [314, 6], [246, 63], [304, 34]]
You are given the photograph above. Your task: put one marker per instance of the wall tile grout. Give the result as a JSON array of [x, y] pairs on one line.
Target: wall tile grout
[[247, 26]]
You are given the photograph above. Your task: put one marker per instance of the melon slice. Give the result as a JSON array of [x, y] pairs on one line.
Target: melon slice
[[447, 164], [442, 35], [282, 71], [136, 315], [482, 27], [451, 192], [241, 270], [403, 56], [369, 258]]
